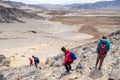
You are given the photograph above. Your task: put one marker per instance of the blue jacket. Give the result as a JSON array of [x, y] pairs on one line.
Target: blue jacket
[[36, 59], [105, 41]]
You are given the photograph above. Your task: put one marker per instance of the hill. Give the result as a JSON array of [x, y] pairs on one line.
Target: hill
[[12, 14], [20, 5], [11, 11], [104, 5], [83, 67]]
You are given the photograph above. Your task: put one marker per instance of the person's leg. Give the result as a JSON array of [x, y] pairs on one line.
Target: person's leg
[[36, 64], [67, 67], [31, 64], [101, 61], [70, 68], [98, 58]]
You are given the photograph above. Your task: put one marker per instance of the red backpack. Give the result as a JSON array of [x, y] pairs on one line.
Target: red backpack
[[102, 48]]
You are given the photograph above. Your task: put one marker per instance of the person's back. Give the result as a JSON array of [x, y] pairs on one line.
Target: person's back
[[36, 58], [103, 41], [103, 47]]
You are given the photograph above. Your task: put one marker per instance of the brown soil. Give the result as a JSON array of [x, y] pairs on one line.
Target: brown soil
[[89, 23]]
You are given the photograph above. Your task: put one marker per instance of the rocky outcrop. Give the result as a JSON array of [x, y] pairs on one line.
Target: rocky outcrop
[[2, 77], [1, 58], [4, 63], [82, 69]]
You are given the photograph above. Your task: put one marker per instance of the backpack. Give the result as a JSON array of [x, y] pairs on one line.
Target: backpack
[[102, 48], [36, 59], [73, 56]]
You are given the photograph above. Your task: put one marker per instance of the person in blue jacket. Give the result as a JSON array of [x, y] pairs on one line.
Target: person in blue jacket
[[103, 47]]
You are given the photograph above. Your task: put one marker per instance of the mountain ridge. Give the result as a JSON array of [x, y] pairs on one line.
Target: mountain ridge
[[97, 5], [114, 5]]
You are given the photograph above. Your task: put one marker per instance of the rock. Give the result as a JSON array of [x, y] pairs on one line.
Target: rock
[[57, 64], [79, 66], [1, 58], [50, 61], [2, 77], [58, 57], [115, 74], [33, 31], [115, 33], [85, 48], [4, 63]]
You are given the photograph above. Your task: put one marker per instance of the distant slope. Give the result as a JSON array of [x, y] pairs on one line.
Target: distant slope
[[98, 5], [10, 11], [52, 6], [20, 5], [12, 14], [108, 5]]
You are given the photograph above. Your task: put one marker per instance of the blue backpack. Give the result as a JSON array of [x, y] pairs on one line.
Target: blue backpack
[[73, 56]]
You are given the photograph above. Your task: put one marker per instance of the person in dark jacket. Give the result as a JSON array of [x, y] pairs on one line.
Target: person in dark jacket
[[36, 62], [102, 52], [67, 59]]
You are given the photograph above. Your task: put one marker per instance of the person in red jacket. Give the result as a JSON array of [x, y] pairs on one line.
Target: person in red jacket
[[67, 59], [31, 61]]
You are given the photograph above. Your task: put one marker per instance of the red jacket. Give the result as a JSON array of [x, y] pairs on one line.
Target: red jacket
[[31, 60], [67, 57]]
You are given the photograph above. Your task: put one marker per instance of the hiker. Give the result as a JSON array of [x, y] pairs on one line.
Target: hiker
[[31, 61], [67, 59], [36, 62], [103, 47]]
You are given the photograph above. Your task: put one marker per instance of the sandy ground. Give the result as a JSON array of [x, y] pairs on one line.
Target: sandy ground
[[19, 41]]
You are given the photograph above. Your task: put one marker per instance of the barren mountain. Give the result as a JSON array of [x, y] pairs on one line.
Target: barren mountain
[[12, 14], [107, 5], [20, 5]]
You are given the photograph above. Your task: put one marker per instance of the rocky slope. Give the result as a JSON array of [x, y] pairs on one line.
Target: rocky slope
[[83, 67], [19, 5], [12, 14]]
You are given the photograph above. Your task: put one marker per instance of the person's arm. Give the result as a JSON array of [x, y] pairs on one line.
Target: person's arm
[[65, 59], [98, 44], [108, 46]]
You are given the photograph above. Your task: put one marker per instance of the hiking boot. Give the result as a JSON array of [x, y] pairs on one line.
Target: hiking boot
[[66, 71], [71, 69]]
